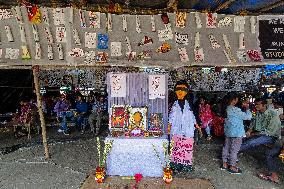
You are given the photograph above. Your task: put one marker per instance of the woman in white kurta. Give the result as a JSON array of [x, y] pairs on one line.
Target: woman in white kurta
[[182, 124]]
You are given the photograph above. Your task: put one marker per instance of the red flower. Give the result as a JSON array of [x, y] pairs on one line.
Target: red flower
[[138, 177]]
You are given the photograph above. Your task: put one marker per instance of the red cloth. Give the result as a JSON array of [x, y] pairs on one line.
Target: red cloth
[[218, 125]]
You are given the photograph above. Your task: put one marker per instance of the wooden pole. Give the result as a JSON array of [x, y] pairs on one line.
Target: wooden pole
[[41, 116]]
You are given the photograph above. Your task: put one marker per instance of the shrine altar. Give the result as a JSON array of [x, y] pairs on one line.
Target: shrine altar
[[129, 156]]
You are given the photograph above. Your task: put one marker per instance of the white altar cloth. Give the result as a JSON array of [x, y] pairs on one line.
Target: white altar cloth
[[129, 156]]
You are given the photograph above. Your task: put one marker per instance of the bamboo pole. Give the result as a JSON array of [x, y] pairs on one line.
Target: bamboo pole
[[39, 105]]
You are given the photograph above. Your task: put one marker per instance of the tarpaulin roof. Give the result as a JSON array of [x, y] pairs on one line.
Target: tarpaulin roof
[[219, 6]]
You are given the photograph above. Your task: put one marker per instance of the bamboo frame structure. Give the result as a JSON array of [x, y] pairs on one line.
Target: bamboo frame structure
[[39, 104]]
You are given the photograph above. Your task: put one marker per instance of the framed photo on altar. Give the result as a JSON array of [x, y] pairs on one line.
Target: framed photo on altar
[[138, 117], [119, 117], [156, 121], [156, 125]]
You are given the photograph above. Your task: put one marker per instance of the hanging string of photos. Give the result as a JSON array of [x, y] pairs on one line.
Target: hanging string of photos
[[201, 79]]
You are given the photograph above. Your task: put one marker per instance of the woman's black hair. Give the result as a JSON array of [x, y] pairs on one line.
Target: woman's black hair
[[182, 82]]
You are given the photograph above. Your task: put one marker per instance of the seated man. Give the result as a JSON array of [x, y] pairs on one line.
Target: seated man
[[99, 112], [61, 109], [271, 164], [265, 129], [81, 112]]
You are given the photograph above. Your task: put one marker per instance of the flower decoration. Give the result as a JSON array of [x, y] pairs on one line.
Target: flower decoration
[[107, 148], [167, 153], [100, 170], [168, 175], [138, 177]]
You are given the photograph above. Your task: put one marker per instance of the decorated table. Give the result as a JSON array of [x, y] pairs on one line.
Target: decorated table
[[129, 156]]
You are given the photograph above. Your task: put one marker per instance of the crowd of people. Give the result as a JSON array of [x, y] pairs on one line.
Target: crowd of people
[[83, 112], [243, 124]]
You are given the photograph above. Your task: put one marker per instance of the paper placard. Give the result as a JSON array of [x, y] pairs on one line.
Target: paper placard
[[35, 33], [115, 48], [181, 19], [71, 15], [153, 26], [22, 33], [49, 52], [90, 40], [60, 51], [37, 51], [76, 52], [271, 40], [198, 21], [26, 54], [48, 35], [138, 24], [77, 40], [82, 18], [9, 34], [181, 39], [58, 16], [182, 150], [12, 53], [44, 14], [157, 86], [95, 19], [18, 14], [124, 23], [5, 14], [118, 85], [109, 22], [211, 20], [239, 23], [61, 34], [183, 54]]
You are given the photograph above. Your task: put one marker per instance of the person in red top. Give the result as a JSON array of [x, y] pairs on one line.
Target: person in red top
[[217, 119], [22, 117], [205, 116]]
